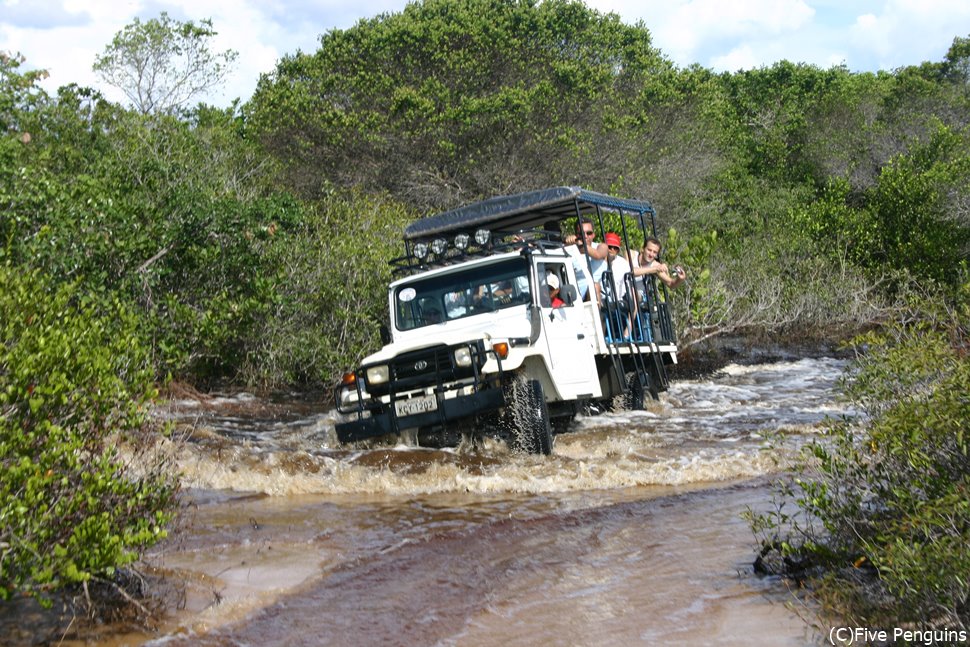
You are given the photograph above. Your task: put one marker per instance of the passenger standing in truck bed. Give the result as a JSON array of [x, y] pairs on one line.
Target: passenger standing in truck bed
[[578, 247], [646, 263], [616, 311]]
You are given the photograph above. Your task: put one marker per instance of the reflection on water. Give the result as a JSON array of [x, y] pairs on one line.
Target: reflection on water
[[628, 534]]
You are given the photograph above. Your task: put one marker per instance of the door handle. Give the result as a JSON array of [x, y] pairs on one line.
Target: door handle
[[580, 336]]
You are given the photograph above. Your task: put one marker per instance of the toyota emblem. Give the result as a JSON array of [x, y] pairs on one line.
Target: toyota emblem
[[420, 365]]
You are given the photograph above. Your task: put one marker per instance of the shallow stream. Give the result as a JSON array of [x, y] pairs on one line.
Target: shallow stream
[[629, 534]]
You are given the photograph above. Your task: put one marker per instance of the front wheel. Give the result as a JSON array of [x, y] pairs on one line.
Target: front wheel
[[529, 417]]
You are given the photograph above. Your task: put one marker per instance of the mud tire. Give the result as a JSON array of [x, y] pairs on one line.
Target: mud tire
[[528, 417], [636, 389]]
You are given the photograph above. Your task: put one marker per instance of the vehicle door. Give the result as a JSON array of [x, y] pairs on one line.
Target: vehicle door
[[568, 336]]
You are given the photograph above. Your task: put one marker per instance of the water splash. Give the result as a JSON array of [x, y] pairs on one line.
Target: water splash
[[705, 430]]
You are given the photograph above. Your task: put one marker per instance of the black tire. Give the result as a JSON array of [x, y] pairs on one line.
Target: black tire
[[635, 390], [654, 382], [529, 418]]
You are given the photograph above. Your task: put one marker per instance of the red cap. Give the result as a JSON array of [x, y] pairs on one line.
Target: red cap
[[612, 239]]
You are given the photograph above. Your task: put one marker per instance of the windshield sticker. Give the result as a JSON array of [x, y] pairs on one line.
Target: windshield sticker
[[407, 294]]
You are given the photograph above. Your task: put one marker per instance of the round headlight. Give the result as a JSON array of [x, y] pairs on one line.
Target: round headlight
[[377, 374], [482, 236], [461, 242], [439, 246], [420, 251], [463, 356]]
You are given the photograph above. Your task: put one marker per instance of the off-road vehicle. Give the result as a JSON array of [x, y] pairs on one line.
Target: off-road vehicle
[[474, 346]]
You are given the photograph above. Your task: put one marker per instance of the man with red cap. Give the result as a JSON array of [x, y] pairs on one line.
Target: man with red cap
[[615, 308]]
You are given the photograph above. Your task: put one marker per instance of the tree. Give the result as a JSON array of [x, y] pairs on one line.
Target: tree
[[18, 90], [453, 100], [881, 518], [162, 64], [956, 64]]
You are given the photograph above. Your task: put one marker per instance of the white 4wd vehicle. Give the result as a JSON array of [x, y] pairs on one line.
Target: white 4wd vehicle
[[475, 346]]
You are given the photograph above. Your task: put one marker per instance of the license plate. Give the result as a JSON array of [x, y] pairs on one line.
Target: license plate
[[412, 406]]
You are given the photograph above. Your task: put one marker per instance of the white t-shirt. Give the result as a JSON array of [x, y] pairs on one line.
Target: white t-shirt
[[597, 267], [641, 281], [620, 269]]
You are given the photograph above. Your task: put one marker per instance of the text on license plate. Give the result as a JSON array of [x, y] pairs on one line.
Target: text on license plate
[[420, 404]]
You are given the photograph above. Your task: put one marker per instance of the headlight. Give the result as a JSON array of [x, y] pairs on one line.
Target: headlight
[[377, 374], [439, 246], [463, 356], [482, 236]]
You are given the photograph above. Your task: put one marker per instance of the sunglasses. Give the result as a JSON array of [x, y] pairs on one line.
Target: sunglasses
[[589, 233], [614, 247]]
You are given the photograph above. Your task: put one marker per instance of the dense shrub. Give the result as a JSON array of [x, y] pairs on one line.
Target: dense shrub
[[329, 291], [883, 501], [75, 382]]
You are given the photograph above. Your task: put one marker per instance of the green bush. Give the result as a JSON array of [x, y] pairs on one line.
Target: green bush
[[883, 523], [329, 291], [81, 491]]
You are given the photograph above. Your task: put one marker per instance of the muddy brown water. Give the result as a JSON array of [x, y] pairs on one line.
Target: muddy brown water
[[629, 534]]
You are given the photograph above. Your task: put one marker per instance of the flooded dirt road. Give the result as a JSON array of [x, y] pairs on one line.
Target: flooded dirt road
[[629, 534]]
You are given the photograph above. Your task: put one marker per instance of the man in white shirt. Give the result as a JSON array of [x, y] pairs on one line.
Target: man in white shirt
[[614, 302], [585, 244]]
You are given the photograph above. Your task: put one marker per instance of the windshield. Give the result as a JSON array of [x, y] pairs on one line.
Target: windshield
[[477, 290]]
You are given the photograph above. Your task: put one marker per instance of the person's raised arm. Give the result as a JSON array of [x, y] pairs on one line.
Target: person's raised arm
[[599, 251], [672, 277]]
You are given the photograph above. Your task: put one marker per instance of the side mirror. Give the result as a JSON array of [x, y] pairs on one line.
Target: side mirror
[[385, 335], [569, 293], [535, 322]]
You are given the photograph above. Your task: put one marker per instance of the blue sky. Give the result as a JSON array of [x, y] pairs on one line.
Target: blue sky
[[64, 36]]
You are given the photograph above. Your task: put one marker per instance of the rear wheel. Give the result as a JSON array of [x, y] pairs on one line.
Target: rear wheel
[[529, 417], [636, 385]]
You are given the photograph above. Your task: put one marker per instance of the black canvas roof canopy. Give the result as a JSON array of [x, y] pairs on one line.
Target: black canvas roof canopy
[[533, 217], [531, 210]]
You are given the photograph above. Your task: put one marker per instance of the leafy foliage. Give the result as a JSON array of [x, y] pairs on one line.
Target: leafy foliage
[[330, 291], [74, 385], [454, 100], [885, 513], [250, 245]]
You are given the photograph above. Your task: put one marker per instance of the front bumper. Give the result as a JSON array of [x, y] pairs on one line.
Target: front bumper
[[450, 411]]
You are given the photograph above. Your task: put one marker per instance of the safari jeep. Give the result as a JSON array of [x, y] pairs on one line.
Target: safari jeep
[[474, 346]]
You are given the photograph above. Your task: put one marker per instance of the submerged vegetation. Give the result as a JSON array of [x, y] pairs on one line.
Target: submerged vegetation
[[248, 246]]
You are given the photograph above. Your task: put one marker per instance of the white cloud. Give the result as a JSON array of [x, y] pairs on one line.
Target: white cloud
[[739, 58], [65, 36], [907, 32], [705, 31]]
